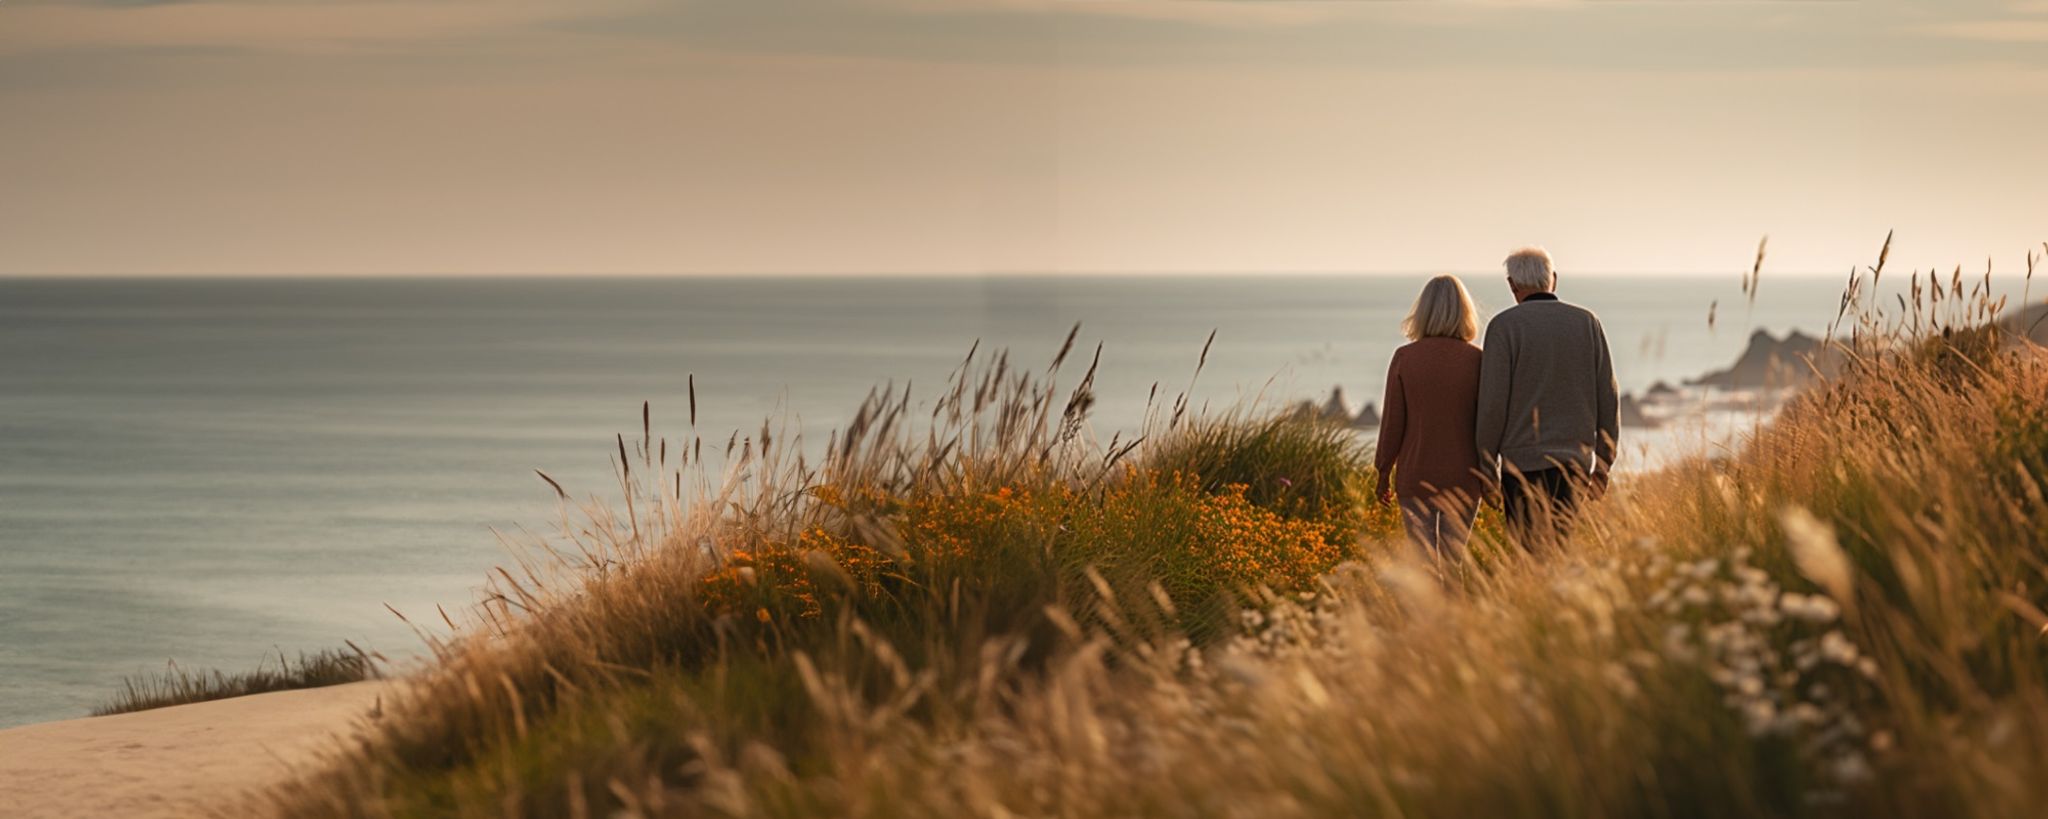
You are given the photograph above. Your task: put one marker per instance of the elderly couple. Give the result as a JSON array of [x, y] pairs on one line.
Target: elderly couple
[[1534, 414]]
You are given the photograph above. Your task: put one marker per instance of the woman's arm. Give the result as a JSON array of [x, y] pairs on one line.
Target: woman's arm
[[1393, 425]]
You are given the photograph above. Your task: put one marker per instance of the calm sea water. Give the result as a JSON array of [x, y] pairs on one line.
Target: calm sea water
[[212, 470]]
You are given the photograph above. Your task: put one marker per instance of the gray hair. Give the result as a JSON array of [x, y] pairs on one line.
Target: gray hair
[[1529, 269], [1445, 309]]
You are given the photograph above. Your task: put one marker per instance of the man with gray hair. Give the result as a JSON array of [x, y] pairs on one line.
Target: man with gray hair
[[1548, 407]]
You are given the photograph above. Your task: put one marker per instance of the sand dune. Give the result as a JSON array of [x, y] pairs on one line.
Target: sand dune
[[189, 760]]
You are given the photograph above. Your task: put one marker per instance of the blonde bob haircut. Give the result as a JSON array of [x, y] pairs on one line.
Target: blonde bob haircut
[[1444, 309]]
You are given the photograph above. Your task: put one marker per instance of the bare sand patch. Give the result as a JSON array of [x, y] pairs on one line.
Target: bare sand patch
[[186, 760]]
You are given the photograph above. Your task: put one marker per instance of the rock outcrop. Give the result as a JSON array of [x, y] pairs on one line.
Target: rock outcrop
[[2028, 322], [1336, 410], [1771, 362], [1630, 411], [1366, 418]]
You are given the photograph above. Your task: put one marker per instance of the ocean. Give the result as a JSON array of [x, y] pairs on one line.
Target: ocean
[[210, 471]]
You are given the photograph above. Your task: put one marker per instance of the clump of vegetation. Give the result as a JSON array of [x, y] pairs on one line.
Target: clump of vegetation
[[177, 686], [1297, 465], [1140, 528], [990, 614]]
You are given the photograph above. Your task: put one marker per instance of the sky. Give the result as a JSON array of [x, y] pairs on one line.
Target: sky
[[395, 137]]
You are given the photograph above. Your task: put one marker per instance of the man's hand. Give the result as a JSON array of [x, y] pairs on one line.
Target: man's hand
[[1598, 483], [1383, 493]]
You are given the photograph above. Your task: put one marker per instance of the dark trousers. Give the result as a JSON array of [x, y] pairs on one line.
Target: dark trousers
[[1539, 505]]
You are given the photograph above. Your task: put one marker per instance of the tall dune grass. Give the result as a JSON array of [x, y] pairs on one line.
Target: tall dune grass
[[971, 608], [180, 686]]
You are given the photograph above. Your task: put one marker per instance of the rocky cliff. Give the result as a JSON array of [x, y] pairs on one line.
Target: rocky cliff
[[1771, 362]]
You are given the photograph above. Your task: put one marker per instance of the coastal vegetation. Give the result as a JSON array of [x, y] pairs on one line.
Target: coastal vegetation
[[972, 607], [178, 686]]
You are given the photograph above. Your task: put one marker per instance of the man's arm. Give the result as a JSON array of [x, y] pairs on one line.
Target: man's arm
[[1496, 375], [1607, 401]]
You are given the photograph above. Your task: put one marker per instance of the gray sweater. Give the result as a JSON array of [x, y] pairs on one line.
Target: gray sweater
[[1546, 388]]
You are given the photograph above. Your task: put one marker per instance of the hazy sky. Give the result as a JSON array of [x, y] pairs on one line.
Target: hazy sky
[[660, 136]]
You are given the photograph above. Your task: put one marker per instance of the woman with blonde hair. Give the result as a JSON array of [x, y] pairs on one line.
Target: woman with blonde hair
[[1426, 441]]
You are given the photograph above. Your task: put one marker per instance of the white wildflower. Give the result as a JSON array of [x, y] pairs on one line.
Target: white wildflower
[[1851, 768], [1821, 609], [1837, 648], [1678, 641], [1760, 716], [1717, 636], [1810, 608]]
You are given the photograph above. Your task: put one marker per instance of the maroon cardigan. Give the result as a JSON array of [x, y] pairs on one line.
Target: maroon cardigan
[[1426, 425]]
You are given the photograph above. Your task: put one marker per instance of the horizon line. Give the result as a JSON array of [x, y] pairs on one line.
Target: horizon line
[[898, 274]]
